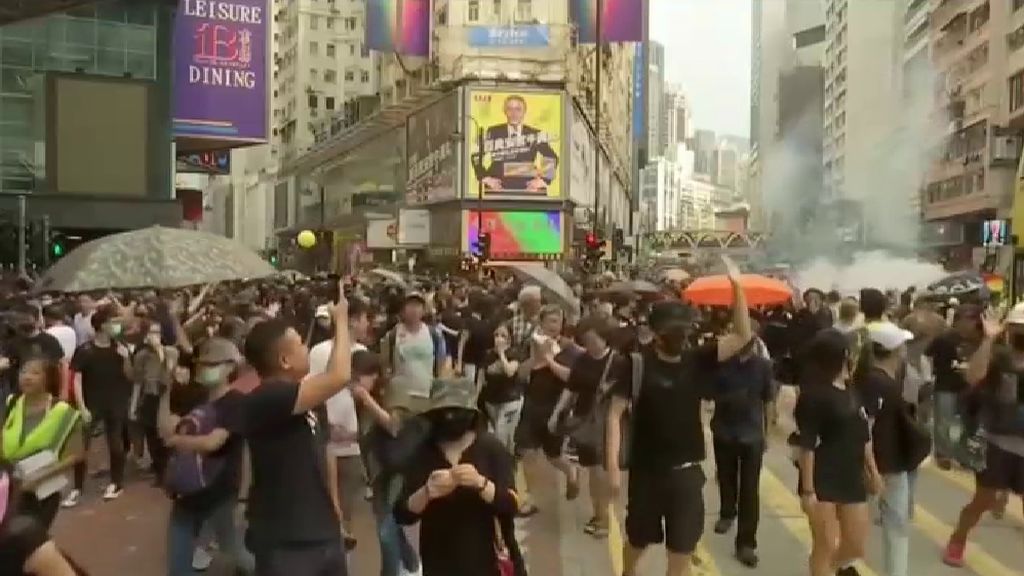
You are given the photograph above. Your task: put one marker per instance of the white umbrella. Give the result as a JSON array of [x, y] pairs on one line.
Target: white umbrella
[[549, 281]]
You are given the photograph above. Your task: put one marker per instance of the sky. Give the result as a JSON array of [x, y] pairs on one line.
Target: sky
[[707, 52]]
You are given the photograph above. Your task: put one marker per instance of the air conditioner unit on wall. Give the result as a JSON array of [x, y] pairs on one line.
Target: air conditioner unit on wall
[[1005, 148]]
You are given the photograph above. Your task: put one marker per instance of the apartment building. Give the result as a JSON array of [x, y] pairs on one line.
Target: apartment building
[[657, 110], [410, 150], [677, 118], [976, 52]]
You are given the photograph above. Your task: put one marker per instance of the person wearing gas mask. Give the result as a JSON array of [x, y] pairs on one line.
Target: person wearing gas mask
[[103, 391], [665, 385], [217, 361], [460, 487], [995, 370]]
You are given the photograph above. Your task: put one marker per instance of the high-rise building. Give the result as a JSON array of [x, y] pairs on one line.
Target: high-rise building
[[705, 148], [725, 165], [860, 52], [410, 151], [657, 119], [978, 58], [677, 118], [104, 68]]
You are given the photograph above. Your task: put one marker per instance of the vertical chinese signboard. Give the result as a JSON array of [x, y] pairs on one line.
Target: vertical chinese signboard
[[220, 71], [431, 164]]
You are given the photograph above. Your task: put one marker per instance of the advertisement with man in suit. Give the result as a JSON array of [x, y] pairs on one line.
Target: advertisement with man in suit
[[521, 144]]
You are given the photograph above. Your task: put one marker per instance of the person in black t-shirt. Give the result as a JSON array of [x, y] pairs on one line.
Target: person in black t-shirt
[[30, 341], [950, 353], [591, 379], [836, 460], [665, 500], [103, 391], [217, 360], [502, 392], [294, 528]]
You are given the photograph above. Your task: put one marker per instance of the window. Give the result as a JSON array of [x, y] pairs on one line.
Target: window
[[1018, 4], [497, 7], [473, 11], [330, 50], [314, 22], [1017, 91], [330, 76], [364, 76], [351, 49], [312, 101], [313, 48], [329, 103], [313, 74], [524, 10], [349, 76], [330, 23]]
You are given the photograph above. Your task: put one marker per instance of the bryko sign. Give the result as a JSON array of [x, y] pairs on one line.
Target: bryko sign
[[220, 63]]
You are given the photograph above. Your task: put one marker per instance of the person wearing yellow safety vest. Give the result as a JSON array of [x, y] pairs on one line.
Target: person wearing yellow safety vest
[[35, 421]]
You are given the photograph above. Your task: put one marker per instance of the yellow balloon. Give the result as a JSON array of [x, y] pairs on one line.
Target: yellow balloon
[[306, 239]]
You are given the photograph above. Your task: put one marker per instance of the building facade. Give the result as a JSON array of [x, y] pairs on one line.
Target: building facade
[[412, 153], [657, 112], [976, 52], [118, 53]]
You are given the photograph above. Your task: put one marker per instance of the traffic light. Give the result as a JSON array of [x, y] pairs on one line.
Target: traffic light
[[485, 246], [58, 247], [481, 248], [594, 248], [273, 258]]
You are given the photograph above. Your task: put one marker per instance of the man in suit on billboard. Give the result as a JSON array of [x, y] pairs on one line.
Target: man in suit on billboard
[[514, 148]]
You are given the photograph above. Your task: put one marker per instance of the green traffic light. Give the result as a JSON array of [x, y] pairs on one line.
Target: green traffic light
[[57, 250]]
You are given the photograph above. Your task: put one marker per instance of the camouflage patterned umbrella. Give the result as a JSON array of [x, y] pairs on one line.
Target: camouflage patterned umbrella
[[154, 257]]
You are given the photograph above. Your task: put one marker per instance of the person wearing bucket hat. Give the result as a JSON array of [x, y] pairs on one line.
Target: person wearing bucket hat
[[460, 487], [217, 359]]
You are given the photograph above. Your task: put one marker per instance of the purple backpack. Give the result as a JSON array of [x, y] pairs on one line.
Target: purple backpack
[[188, 472]]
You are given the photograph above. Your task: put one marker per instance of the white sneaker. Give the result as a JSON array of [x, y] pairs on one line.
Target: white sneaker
[[201, 559], [71, 500], [403, 572], [113, 492]]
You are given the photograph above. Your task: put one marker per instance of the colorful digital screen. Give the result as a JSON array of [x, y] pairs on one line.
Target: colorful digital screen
[[517, 235]]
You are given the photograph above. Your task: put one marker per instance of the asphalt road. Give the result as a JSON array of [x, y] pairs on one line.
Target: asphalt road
[[126, 536]]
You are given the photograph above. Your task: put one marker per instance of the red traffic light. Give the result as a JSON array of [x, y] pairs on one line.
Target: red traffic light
[[592, 241]]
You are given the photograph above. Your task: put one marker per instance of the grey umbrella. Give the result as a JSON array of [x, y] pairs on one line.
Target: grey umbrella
[[153, 257], [549, 281]]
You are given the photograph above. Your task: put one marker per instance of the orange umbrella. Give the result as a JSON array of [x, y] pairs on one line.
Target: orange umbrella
[[717, 290]]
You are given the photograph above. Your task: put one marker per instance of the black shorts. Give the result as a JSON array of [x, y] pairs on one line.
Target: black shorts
[[666, 506], [533, 434], [1003, 471]]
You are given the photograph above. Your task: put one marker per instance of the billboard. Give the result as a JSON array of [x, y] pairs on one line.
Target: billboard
[[518, 235], [621, 20], [522, 144], [519, 36], [431, 152], [401, 26], [220, 70]]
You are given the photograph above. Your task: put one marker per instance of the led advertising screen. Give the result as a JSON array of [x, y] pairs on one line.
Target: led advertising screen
[[995, 233], [522, 144], [220, 71], [536, 235]]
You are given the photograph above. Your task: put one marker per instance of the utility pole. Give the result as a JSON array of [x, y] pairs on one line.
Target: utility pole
[[22, 223], [597, 118]]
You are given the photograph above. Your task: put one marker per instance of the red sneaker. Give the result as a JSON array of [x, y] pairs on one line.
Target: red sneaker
[[954, 554]]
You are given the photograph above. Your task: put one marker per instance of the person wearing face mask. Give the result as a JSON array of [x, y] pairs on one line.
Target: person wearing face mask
[[666, 385], [996, 374], [102, 391], [898, 444], [460, 487], [217, 360], [153, 370]]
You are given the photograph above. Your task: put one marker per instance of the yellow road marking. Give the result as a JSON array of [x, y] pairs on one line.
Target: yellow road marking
[[781, 500], [705, 565], [976, 559], [965, 481]]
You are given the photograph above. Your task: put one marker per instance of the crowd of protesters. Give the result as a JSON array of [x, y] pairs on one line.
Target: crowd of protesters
[[294, 400]]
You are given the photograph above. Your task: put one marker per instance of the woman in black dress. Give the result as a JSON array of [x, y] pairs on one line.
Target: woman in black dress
[[25, 547], [837, 467], [461, 488]]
